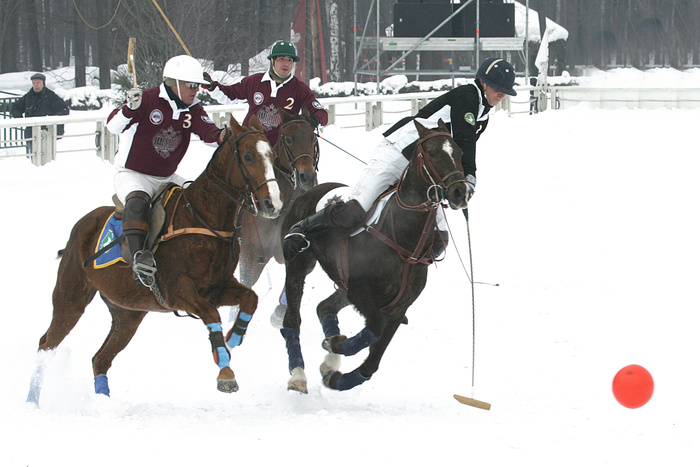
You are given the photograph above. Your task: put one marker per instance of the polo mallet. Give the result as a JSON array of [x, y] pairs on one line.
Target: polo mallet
[[130, 67], [470, 400]]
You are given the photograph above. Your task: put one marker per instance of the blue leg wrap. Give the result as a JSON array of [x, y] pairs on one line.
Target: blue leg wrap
[[291, 336], [350, 380], [329, 323], [361, 340], [101, 385], [216, 337], [238, 331]]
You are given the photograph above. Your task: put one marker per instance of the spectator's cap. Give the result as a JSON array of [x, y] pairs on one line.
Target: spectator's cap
[[498, 74], [38, 76], [284, 49]]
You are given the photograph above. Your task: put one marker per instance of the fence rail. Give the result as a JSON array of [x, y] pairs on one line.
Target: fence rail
[[345, 112]]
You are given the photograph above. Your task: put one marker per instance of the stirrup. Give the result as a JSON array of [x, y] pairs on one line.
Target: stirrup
[[297, 234], [145, 267]]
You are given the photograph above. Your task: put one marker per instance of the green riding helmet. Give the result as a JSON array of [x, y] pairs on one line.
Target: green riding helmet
[[284, 48]]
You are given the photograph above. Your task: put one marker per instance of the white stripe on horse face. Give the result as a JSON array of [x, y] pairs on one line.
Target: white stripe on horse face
[[447, 147], [265, 149]]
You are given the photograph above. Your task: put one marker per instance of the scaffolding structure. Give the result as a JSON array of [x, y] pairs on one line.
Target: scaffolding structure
[[381, 44]]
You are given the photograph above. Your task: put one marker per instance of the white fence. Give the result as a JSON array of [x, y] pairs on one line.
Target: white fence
[[347, 112]]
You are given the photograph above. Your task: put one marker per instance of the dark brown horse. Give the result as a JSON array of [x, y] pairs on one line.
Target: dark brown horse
[[295, 169], [196, 258], [382, 270]]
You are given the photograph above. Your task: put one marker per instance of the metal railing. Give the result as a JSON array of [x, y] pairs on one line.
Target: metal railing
[[369, 112]]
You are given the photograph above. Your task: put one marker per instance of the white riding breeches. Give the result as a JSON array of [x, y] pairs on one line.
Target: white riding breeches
[[383, 170], [127, 180]]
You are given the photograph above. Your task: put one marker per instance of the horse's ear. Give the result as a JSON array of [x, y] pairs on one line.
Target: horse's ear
[[255, 123], [422, 131], [284, 115], [305, 112], [234, 124], [443, 126]]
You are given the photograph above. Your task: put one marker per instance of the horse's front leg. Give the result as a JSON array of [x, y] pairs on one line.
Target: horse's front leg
[[296, 272], [233, 293], [343, 382], [327, 312]]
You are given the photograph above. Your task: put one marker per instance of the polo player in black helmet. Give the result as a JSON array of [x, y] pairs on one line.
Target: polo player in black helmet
[[464, 109]]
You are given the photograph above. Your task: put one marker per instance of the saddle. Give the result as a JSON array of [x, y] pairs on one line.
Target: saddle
[[109, 249]]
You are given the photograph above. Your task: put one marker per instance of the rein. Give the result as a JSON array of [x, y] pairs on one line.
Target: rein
[[291, 158], [429, 174], [249, 191], [239, 198]]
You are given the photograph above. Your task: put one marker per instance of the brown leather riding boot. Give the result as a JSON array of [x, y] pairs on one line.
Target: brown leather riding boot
[[137, 210]]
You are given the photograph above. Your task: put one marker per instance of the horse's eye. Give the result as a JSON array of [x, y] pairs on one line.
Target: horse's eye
[[288, 140], [248, 158]]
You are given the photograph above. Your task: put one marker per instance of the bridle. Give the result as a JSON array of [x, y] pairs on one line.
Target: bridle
[[291, 158], [438, 185], [226, 186]]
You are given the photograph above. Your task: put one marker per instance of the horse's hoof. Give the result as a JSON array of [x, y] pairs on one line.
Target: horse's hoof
[[333, 344], [330, 378], [330, 363], [227, 385], [298, 381]]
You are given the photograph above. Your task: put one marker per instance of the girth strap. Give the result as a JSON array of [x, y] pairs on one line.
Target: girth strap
[[171, 232]]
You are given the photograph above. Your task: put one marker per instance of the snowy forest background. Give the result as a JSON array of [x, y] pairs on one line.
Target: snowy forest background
[[48, 34]]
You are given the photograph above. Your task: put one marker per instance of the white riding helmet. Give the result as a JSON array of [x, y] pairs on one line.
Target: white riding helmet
[[184, 68]]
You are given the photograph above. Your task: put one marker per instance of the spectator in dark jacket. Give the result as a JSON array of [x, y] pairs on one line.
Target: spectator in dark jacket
[[40, 101]]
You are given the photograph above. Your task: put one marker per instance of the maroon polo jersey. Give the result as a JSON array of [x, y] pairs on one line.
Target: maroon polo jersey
[[154, 138], [264, 95]]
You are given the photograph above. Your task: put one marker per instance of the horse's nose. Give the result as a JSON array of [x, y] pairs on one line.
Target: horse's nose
[[457, 195], [268, 209], [307, 180]]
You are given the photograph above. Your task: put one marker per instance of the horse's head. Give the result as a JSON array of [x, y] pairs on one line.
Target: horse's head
[[297, 148], [249, 166], [438, 164]]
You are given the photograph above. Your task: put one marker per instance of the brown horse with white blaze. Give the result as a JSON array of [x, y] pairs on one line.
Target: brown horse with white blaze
[[196, 257]]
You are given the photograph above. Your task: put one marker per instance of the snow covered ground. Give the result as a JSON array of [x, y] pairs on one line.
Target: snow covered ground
[[585, 218]]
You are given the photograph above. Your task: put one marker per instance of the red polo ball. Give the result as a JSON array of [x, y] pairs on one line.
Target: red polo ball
[[633, 386]]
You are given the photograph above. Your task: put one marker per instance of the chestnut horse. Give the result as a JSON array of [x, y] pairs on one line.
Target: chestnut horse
[[295, 168], [382, 270], [196, 257]]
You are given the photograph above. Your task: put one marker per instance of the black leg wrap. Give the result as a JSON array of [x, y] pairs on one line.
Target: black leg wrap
[[291, 336]]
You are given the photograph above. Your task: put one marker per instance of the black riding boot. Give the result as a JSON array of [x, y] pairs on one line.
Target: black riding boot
[[341, 214], [137, 210]]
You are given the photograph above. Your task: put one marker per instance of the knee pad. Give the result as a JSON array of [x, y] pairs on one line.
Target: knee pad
[[136, 211]]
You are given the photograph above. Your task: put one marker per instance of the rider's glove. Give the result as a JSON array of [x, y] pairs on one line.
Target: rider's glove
[[133, 98], [471, 186], [211, 84], [314, 121]]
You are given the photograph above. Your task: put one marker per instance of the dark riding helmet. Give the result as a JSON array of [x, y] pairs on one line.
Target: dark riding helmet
[[498, 74], [284, 49]]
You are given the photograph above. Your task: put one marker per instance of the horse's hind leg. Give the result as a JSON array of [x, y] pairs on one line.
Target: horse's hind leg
[[124, 325], [70, 297]]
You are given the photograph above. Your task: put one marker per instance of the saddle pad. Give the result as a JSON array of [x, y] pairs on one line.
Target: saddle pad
[[343, 194], [111, 230]]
